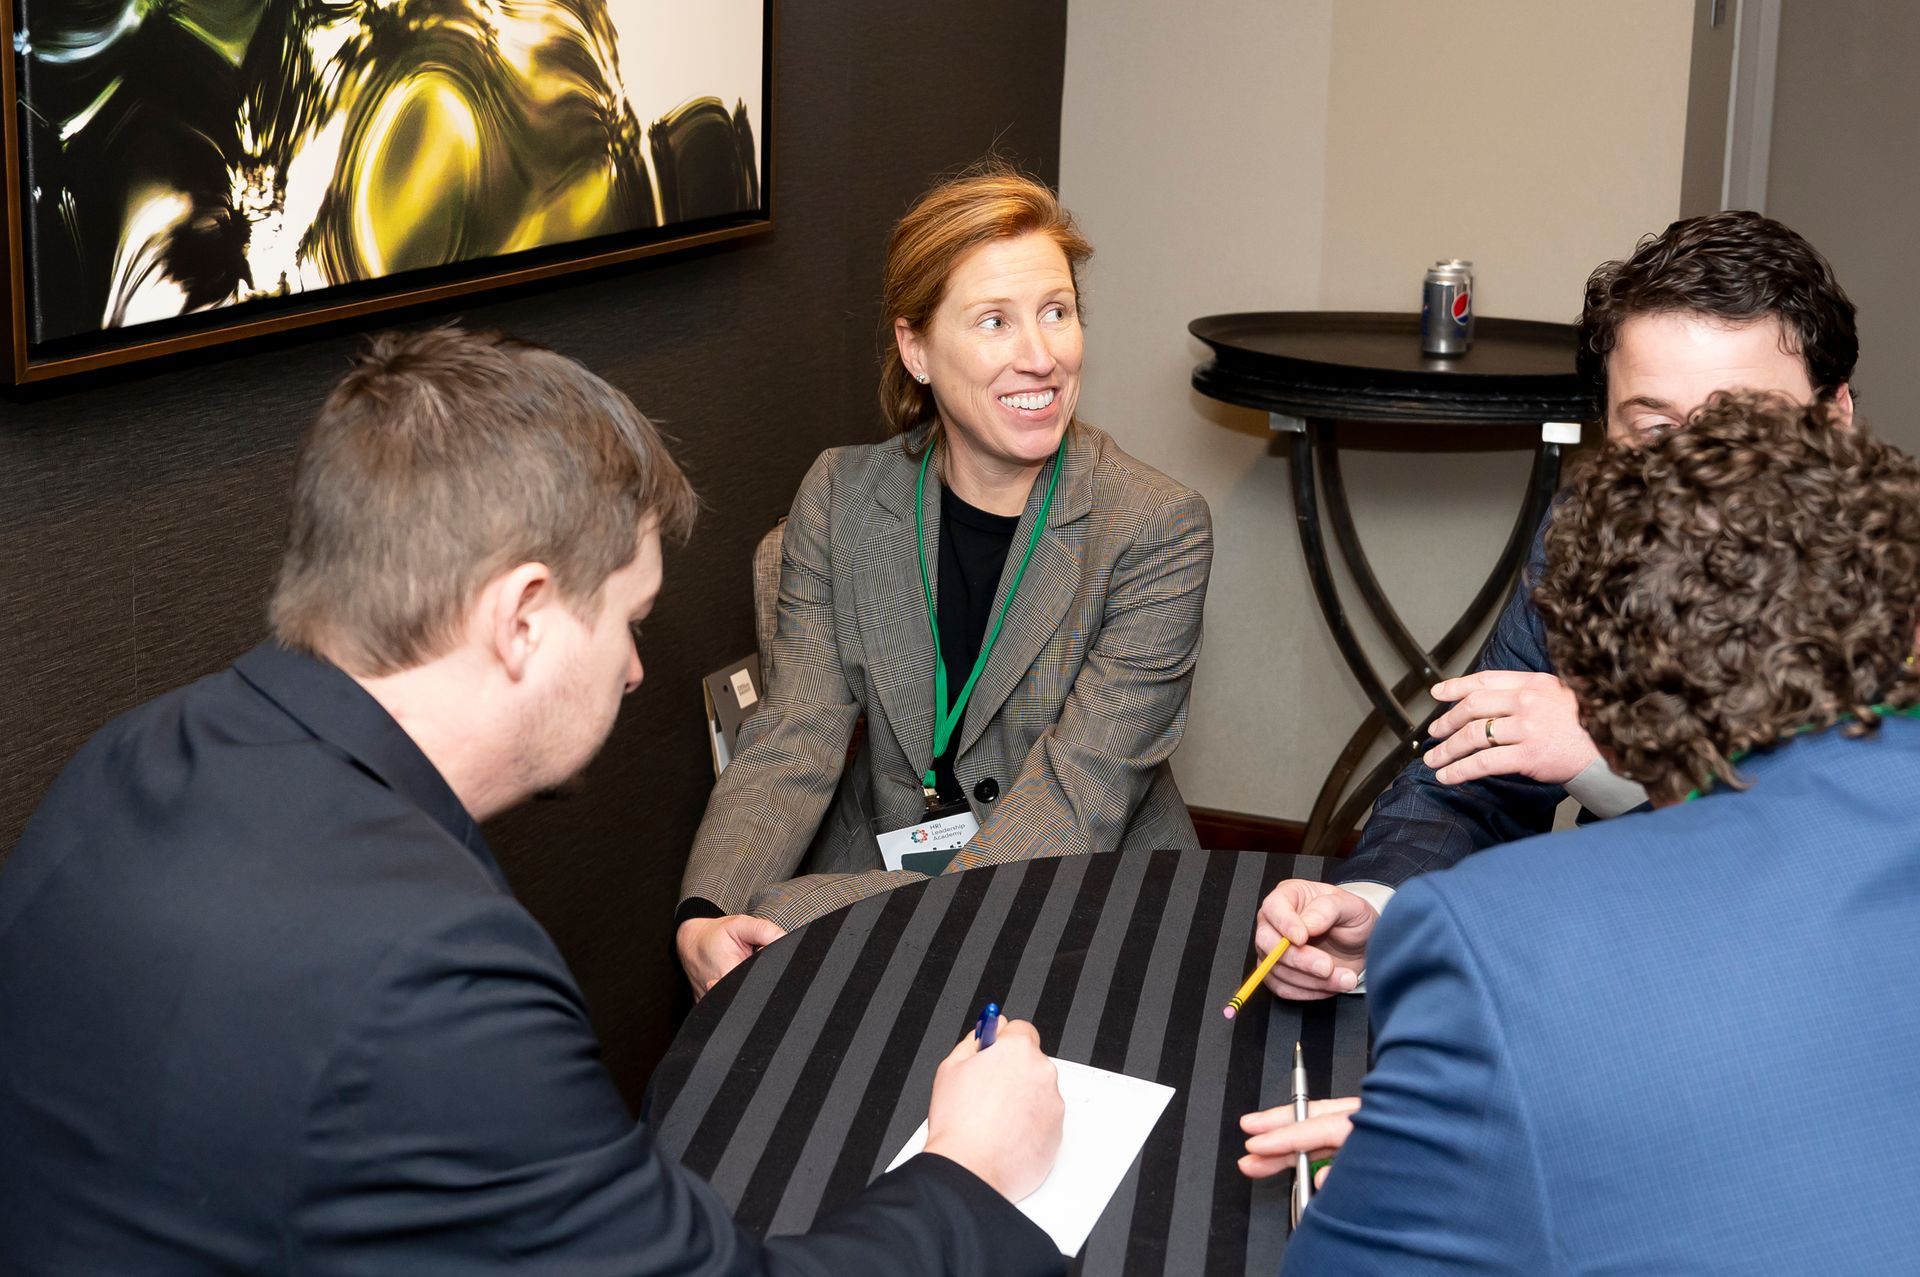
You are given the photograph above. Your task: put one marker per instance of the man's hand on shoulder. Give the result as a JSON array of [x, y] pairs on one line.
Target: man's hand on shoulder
[[1508, 723], [711, 947], [1327, 929], [998, 1111]]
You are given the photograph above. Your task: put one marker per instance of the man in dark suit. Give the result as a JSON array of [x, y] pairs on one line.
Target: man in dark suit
[[268, 1005], [1678, 1041], [1729, 299]]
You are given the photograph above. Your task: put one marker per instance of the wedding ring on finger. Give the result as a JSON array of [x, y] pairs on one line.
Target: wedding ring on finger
[[1490, 740]]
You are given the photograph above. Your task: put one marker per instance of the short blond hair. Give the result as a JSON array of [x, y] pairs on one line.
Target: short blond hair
[[443, 458], [989, 202]]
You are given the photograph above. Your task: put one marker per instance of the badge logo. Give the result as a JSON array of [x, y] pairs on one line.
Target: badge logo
[[920, 835]]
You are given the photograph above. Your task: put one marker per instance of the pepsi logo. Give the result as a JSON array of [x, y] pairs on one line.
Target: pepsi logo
[[1463, 308]]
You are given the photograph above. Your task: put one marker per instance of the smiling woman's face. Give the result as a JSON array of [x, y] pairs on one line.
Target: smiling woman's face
[[1002, 353]]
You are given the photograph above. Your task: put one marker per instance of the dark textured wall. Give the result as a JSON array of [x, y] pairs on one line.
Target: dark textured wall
[[141, 517]]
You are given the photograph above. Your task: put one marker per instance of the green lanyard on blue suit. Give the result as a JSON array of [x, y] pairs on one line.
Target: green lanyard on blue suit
[[1911, 711], [946, 719]]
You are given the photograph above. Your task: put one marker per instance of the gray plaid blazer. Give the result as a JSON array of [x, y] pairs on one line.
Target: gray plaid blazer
[[1081, 703]]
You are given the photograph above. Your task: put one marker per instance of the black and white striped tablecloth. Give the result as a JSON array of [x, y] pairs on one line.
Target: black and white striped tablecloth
[[798, 1078]]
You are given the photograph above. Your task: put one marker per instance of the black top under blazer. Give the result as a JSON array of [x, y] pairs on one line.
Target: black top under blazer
[[268, 1007], [1082, 702]]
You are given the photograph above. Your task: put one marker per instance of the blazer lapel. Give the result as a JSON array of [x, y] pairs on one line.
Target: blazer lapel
[[892, 605], [1052, 581]]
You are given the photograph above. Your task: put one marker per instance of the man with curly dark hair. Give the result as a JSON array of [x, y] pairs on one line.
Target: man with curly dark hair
[[1729, 299], [1718, 986]]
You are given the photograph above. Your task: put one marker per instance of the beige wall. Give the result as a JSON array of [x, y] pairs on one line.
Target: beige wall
[[1293, 155], [1555, 144], [1192, 143]]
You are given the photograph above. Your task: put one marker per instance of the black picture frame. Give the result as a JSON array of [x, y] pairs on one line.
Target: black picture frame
[[682, 222]]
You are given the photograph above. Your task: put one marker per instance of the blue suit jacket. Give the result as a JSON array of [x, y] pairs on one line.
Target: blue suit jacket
[[267, 1006], [1681, 1041], [1418, 824]]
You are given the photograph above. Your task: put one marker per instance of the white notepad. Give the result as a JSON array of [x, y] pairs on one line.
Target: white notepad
[[1108, 1118]]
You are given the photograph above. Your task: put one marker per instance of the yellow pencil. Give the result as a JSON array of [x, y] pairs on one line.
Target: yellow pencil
[[1260, 973]]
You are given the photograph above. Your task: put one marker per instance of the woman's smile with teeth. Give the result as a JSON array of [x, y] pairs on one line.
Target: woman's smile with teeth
[[1033, 399]]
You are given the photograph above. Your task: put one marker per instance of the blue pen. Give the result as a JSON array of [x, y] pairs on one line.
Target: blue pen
[[988, 1025]]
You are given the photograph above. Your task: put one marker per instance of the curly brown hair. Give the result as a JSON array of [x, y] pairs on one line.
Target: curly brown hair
[[1735, 266], [1728, 585]]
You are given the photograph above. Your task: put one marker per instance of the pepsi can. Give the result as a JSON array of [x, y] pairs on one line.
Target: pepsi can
[[1446, 309]]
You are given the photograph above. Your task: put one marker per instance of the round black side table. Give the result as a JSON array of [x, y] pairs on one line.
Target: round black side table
[[1314, 371]]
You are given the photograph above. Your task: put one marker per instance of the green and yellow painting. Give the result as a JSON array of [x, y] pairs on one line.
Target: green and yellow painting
[[182, 156]]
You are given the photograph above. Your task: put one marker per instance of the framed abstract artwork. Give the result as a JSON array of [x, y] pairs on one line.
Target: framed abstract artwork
[[181, 173]]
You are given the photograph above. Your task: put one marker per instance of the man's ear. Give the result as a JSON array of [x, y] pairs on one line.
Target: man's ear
[[909, 343], [1842, 402], [514, 610]]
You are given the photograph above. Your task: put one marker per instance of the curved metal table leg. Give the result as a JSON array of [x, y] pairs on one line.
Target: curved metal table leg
[[1347, 537], [1493, 591], [1306, 512], [1328, 827]]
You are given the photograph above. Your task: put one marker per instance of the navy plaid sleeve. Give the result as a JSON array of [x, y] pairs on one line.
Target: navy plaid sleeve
[[1418, 824]]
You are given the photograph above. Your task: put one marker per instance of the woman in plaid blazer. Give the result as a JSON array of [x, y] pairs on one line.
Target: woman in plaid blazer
[[1082, 698]]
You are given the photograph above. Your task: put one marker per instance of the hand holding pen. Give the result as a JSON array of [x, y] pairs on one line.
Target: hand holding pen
[[998, 1112], [1275, 1137]]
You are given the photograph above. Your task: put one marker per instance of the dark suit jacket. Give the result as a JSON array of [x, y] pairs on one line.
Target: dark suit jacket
[[1419, 824], [1073, 720], [268, 1006], [1679, 1041]]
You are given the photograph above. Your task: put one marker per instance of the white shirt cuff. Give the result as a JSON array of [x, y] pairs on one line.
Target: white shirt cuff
[[1376, 894], [1603, 793]]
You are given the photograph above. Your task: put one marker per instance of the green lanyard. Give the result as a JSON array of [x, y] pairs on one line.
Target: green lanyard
[[946, 719], [1911, 711]]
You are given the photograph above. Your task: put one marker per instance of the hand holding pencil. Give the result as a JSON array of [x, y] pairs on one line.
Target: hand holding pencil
[[1295, 913], [1326, 929]]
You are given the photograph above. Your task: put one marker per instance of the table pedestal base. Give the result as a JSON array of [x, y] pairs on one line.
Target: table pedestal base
[[1315, 454]]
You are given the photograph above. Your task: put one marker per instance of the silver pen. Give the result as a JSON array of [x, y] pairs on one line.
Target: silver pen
[[1302, 1166]]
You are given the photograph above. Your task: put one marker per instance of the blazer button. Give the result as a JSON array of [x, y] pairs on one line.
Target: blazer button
[[987, 790]]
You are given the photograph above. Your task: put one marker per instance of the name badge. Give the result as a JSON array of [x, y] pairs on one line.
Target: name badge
[[928, 846]]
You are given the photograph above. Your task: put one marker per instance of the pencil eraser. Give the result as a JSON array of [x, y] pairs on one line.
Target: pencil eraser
[[1227, 1011]]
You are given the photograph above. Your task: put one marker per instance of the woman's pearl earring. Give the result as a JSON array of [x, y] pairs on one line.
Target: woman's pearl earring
[[921, 378]]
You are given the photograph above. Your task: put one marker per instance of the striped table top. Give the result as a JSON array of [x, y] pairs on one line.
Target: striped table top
[[796, 1080]]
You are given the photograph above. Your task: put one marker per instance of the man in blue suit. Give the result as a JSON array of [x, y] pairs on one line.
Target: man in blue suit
[[1724, 300], [1679, 1041], [267, 1004]]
